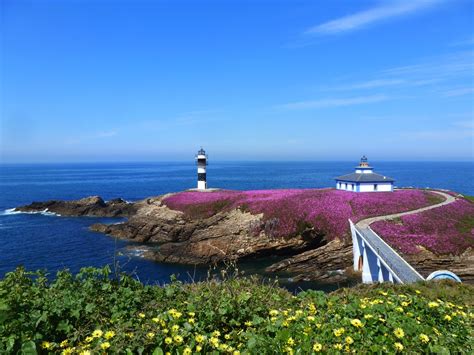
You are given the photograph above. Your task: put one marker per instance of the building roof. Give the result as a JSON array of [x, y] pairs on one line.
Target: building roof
[[364, 177]]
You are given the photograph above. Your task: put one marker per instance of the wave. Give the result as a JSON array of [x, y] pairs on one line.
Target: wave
[[13, 211]]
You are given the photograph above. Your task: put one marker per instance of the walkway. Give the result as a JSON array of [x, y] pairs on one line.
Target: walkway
[[404, 271]]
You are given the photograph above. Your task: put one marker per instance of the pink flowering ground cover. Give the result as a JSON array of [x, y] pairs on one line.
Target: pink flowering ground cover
[[444, 230], [327, 210]]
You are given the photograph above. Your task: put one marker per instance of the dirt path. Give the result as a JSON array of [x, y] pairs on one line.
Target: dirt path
[[448, 199]]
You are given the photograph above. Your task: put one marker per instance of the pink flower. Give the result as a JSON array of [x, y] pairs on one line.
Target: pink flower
[[327, 210]]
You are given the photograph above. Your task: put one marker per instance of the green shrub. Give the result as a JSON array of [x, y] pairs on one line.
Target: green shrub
[[93, 312]]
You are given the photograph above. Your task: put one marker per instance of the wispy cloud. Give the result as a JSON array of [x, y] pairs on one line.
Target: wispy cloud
[[93, 136], [333, 102], [370, 16], [456, 131], [459, 92]]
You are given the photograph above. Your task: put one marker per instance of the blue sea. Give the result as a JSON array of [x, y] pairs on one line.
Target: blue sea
[[39, 241]]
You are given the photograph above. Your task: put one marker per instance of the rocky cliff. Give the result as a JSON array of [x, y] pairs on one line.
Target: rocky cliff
[[236, 234]]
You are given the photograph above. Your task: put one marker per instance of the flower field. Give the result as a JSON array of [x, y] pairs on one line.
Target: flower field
[[444, 230], [94, 313], [327, 210]]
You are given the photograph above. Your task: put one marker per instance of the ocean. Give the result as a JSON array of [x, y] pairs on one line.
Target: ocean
[[42, 241]]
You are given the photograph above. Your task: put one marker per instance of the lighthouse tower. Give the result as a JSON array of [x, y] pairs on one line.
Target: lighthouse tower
[[201, 161]]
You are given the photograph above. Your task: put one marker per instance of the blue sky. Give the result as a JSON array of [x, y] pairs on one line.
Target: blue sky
[[276, 80]]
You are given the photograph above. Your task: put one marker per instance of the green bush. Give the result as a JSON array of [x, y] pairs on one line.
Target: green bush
[[93, 312]]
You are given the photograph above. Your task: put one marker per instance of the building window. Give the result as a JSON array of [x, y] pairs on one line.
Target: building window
[[375, 187]]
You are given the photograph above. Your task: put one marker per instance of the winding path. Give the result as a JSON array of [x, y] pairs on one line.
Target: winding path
[[404, 271], [368, 221]]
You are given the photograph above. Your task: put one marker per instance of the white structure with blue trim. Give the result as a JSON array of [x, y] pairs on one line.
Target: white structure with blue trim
[[364, 180]]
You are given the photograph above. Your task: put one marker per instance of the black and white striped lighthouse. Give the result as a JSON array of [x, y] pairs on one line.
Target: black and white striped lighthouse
[[201, 161]]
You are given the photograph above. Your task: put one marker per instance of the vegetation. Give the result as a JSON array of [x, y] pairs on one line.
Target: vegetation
[[443, 230], [93, 312], [327, 210]]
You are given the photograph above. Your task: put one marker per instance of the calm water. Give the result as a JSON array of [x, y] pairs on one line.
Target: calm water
[[39, 241]]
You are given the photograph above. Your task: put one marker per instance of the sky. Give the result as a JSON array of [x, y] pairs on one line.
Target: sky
[[87, 81]]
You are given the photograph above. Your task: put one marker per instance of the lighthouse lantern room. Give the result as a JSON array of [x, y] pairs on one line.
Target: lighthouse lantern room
[[201, 161]]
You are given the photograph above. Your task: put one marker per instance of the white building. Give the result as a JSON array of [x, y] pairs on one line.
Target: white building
[[201, 160], [364, 180]]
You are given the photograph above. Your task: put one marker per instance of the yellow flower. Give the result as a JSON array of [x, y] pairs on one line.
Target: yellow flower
[[424, 338], [97, 333], [223, 347], [85, 352], [349, 340], [46, 345], [67, 351], [338, 332], [191, 321], [398, 346], [216, 333], [447, 317], [175, 328], [368, 316], [214, 341], [236, 352], [187, 351], [178, 339], [105, 345], [198, 348], [337, 346], [168, 340], [141, 315], [273, 312], [156, 319], [191, 314], [433, 304], [418, 291], [399, 333], [383, 293], [248, 323], [399, 309], [227, 336], [310, 318], [63, 344], [110, 334], [405, 304], [89, 339], [317, 347], [318, 325], [357, 323], [290, 341], [150, 335], [199, 338]]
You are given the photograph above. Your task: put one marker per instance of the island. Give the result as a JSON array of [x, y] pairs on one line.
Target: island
[[307, 229]]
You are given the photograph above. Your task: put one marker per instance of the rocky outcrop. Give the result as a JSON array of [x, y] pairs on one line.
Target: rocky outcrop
[[225, 236], [170, 236], [425, 262], [89, 206], [326, 263]]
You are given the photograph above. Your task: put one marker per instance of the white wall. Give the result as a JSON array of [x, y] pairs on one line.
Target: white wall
[[202, 185], [381, 187], [368, 187]]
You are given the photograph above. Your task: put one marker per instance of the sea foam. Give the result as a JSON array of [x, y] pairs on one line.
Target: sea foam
[[13, 211]]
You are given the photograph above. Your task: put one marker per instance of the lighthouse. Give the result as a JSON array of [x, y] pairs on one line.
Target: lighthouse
[[201, 161], [364, 180]]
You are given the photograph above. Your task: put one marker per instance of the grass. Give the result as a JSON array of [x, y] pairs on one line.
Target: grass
[[94, 312]]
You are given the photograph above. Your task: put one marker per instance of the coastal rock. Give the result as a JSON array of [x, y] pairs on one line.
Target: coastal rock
[[88, 206], [223, 236], [323, 264], [425, 262]]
